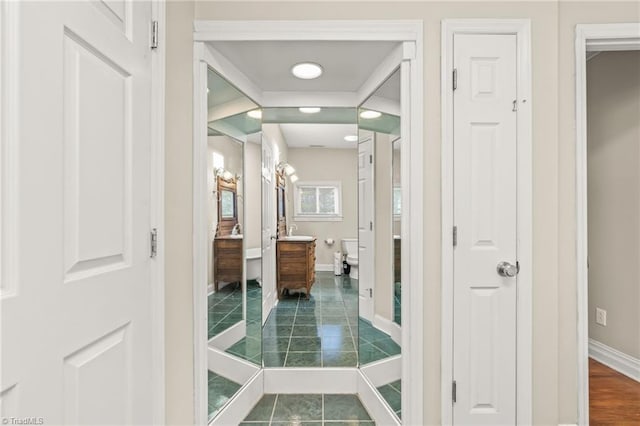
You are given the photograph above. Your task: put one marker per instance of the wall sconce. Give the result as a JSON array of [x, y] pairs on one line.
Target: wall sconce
[[286, 167], [223, 174], [293, 178]]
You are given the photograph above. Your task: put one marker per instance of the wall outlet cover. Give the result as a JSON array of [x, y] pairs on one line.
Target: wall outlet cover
[[601, 317]]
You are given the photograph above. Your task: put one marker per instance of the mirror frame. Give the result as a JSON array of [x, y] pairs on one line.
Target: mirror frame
[[226, 224]]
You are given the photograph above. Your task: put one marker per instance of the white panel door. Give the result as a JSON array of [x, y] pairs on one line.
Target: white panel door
[[76, 307], [268, 230], [365, 228], [484, 364]]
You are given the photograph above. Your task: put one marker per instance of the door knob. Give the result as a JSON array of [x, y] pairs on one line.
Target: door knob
[[506, 269], [273, 237]]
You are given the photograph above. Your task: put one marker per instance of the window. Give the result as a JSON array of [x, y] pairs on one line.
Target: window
[[318, 201]]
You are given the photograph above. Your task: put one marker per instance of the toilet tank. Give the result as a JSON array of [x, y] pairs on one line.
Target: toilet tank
[[350, 246]]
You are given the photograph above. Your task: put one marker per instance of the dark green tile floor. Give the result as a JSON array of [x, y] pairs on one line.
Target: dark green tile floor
[[319, 332], [392, 392], [308, 410], [250, 347], [220, 390], [397, 305], [374, 344], [224, 308]]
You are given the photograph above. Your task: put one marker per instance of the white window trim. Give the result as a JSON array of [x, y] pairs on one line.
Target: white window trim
[[302, 217]]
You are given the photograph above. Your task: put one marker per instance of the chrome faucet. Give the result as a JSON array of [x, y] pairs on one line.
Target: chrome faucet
[[291, 228], [236, 229]]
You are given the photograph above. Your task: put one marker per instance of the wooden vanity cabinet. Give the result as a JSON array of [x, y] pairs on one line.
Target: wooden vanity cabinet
[[227, 255], [295, 265]]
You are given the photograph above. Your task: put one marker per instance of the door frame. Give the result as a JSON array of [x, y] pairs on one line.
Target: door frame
[[408, 32], [589, 38], [522, 29]]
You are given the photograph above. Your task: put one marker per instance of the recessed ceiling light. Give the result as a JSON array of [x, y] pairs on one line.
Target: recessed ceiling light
[[309, 110], [256, 113], [306, 70], [367, 114], [351, 138]]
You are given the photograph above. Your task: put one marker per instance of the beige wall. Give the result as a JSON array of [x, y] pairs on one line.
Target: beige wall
[[554, 310], [613, 116], [253, 195], [323, 164], [178, 213]]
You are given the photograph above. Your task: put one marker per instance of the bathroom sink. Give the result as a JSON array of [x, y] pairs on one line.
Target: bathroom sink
[[235, 236], [297, 238]]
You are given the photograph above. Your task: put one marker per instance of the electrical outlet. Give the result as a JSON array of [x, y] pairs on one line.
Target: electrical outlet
[[601, 317]]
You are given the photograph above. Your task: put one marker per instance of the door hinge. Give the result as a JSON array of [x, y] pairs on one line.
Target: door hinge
[[455, 236], [154, 243], [370, 292], [455, 78], [154, 35], [454, 391], [370, 226], [370, 158], [515, 105]]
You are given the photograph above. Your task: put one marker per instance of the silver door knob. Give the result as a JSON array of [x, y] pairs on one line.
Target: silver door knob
[[506, 269]]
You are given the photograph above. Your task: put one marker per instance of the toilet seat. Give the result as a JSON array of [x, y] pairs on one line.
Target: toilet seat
[[352, 260]]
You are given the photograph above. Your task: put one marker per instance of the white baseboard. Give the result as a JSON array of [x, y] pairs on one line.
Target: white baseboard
[[324, 267], [568, 424], [226, 365], [241, 404], [375, 404], [613, 358], [227, 338], [310, 380], [388, 327], [383, 371]]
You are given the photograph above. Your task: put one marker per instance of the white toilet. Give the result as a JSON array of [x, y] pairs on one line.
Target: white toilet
[[350, 249]]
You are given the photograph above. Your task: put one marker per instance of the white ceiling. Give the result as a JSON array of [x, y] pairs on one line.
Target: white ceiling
[[347, 65], [303, 135]]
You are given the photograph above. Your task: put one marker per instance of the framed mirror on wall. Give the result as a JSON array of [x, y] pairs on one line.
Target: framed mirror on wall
[[233, 266]]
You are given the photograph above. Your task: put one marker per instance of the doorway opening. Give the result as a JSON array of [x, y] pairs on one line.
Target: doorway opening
[[607, 105]]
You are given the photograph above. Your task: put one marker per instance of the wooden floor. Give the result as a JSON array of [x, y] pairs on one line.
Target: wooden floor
[[614, 399]]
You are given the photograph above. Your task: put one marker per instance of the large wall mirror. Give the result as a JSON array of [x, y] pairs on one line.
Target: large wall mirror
[[380, 259], [316, 213], [310, 302], [234, 267]]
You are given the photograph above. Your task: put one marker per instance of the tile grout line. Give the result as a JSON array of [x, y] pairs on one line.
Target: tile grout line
[[273, 410]]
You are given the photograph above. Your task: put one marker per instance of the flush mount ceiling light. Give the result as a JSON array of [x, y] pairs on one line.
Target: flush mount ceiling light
[[351, 138], [368, 114], [306, 70], [256, 113], [309, 110]]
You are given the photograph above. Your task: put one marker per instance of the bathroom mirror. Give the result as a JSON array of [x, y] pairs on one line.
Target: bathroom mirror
[[234, 297], [227, 205], [379, 239], [310, 208]]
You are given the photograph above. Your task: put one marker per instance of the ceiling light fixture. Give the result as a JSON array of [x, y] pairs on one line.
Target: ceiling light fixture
[[351, 138], [306, 70], [368, 114], [256, 113], [309, 110]]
